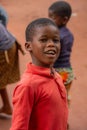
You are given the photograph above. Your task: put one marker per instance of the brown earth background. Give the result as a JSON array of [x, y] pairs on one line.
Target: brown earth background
[[21, 12]]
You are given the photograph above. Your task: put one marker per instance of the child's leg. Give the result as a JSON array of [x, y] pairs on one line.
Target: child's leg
[[6, 104], [68, 87]]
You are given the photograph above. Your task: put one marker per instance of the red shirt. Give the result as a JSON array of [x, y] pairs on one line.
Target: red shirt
[[39, 101]]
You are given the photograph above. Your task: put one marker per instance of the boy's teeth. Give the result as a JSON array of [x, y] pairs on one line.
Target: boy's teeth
[[51, 51]]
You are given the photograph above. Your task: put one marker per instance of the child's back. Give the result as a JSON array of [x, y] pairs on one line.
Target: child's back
[[60, 12], [66, 47]]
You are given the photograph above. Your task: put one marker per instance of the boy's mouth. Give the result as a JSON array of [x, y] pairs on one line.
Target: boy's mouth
[[53, 52], [50, 53]]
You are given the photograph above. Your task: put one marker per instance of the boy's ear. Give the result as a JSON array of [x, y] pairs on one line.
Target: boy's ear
[[65, 20], [28, 46]]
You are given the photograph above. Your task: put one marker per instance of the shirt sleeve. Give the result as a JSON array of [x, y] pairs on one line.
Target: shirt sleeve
[[23, 98]]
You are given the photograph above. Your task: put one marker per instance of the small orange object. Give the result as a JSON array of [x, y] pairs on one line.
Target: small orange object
[[64, 76]]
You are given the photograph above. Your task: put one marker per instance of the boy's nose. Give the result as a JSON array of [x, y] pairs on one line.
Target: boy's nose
[[50, 43]]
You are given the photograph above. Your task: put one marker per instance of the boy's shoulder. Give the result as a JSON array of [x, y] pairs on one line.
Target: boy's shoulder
[[23, 85], [65, 32]]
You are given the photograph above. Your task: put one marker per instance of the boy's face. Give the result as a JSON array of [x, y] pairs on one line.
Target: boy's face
[[45, 45], [57, 19]]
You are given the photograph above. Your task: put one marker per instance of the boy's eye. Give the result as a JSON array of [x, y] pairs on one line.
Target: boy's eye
[[56, 40], [52, 17], [43, 40]]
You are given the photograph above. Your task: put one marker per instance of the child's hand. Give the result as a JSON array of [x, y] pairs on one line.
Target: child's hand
[[20, 48]]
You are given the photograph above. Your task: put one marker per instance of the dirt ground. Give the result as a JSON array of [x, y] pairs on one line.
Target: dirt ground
[[21, 12]]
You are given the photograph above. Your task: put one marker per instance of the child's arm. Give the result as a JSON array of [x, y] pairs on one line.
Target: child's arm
[[20, 47], [23, 99]]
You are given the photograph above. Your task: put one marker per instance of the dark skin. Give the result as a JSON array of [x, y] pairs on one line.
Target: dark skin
[[45, 46], [59, 20], [6, 103]]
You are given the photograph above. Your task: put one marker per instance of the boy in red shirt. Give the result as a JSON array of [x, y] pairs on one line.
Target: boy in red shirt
[[39, 100]]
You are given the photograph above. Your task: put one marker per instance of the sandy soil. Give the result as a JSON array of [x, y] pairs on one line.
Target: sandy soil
[[21, 12]]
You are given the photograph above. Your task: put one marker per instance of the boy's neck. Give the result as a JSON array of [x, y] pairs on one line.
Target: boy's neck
[[61, 26], [51, 71]]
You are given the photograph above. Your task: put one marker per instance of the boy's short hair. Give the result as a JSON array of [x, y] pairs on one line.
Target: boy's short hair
[[30, 30], [61, 8]]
